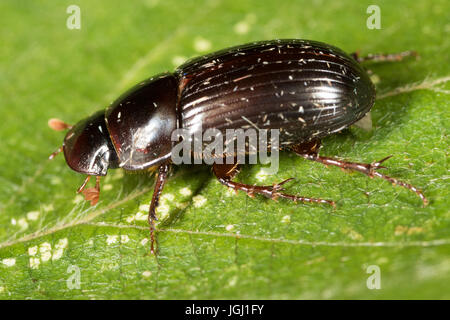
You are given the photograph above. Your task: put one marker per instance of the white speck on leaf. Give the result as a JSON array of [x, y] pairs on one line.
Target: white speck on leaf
[[33, 215], [45, 247], [202, 45], [34, 263], [185, 191], [32, 250], [232, 282], [59, 248], [241, 27], [229, 227], [57, 254], [111, 239], [23, 223], [55, 180], [9, 262], [262, 174], [147, 274], [48, 207], [163, 210], [124, 238], [167, 197], [178, 60], [62, 243], [286, 219], [230, 192], [182, 205], [46, 251], [141, 216], [78, 198], [199, 201]]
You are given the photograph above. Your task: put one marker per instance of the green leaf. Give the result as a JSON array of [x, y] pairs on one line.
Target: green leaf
[[213, 243]]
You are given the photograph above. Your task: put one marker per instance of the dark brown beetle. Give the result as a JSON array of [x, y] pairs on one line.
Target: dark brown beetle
[[306, 89]]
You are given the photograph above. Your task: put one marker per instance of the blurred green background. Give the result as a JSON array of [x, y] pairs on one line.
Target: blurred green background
[[214, 244]]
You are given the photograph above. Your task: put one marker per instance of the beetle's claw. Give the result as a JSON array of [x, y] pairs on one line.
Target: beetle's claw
[[285, 181], [277, 186], [376, 164], [383, 160]]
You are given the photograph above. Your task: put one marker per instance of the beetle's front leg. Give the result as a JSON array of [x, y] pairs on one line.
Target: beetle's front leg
[[90, 194], [310, 151], [160, 182], [391, 57]]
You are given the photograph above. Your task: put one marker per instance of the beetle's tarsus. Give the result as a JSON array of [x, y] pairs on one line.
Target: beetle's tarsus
[[368, 169], [225, 172], [283, 182], [390, 57], [152, 238], [161, 178], [377, 164]]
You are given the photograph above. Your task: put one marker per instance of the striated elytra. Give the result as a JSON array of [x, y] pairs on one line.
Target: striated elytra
[[305, 89]]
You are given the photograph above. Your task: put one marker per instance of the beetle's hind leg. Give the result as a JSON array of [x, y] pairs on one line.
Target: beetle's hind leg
[[310, 151], [226, 172], [391, 57]]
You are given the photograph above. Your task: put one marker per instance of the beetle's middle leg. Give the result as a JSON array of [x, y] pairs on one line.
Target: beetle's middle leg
[[226, 172], [310, 151]]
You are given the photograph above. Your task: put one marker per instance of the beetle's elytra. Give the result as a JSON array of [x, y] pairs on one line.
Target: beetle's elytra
[[305, 89]]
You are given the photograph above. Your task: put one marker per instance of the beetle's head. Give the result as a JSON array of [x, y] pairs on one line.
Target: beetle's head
[[87, 146]]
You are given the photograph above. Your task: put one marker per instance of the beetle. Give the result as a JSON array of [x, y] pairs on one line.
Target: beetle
[[306, 89]]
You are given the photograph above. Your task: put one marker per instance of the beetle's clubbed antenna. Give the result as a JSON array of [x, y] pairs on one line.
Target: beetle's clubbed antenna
[[58, 125]]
